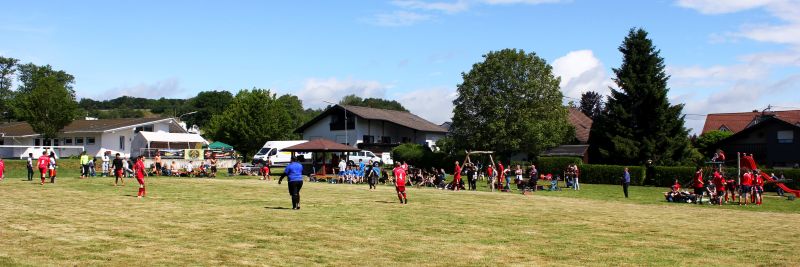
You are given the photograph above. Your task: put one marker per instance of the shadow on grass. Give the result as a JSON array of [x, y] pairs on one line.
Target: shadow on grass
[[276, 208]]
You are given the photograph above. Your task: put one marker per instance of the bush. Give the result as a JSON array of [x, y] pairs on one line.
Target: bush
[[555, 165], [411, 153], [610, 174]]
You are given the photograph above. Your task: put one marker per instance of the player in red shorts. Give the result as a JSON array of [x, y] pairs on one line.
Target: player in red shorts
[[400, 182], [138, 170], [265, 172], [457, 177], [43, 163], [745, 187], [720, 183]]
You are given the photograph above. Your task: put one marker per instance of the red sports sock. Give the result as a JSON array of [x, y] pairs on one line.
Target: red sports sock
[[144, 192], [140, 192]]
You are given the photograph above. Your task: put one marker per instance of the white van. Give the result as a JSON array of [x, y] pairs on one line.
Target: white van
[[272, 151], [364, 155]]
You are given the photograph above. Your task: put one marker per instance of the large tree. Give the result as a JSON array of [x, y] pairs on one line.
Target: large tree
[[8, 66], [206, 104], [45, 99], [639, 123], [510, 102], [252, 118], [355, 100], [591, 104]]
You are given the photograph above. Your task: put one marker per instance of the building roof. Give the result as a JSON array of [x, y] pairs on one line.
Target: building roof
[[320, 145], [20, 129], [766, 120], [736, 122], [582, 124], [172, 137], [566, 150], [402, 118]]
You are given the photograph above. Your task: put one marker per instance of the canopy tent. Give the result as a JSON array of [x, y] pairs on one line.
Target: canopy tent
[[164, 140], [220, 145], [321, 145]]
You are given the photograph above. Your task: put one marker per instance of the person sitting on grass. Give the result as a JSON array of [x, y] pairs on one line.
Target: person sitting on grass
[[173, 169], [189, 169], [711, 191], [265, 172], [674, 192], [237, 167]]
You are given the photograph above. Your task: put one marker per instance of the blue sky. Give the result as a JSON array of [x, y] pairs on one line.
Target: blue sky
[[724, 56]]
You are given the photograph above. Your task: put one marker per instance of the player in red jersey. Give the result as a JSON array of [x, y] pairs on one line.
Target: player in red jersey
[[2, 169], [758, 188], [43, 163], [720, 183], [745, 187], [731, 190], [457, 177], [698, 185], [500, 173], [400, 182], [138, 170]]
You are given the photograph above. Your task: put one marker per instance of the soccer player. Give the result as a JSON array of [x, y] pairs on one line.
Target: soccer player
[[294, 172], [265, 172], [745, 187], [457, 177], [105, 165], [698, 185], [490, 176], [400, 183], [43, 163], [138, 170], [2, 170], [731, 190], [721, 185], [51, 167], [119, 168]]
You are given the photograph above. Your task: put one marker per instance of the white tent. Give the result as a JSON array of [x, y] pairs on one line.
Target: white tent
[[164, 140]]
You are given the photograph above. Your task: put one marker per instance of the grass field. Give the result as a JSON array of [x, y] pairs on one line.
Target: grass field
[[248, 222]]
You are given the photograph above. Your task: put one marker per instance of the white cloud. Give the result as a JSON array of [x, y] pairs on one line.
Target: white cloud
[[398, 18], [316, 91], [722, 6], [581, 71], [169, 87], [432, 104], [697, 76], [526, 2], [447, 7]]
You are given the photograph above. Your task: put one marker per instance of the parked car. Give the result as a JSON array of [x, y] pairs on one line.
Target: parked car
[[363, 155]]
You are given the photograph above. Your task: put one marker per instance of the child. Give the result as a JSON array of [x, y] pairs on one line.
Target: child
[[2, 170], [52, 167], [43, 163], [758, 189], [265, 172], [745, 187], [711, 190], [699, 185], [720, 184], [138, 170]]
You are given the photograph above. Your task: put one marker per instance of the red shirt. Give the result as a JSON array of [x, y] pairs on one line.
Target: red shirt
[[721, 156], [500, 170], [759, 180], [718, 180], [698, 180], [44, 160], [747, 180], [2, 167], [399, 176], [138, 168], [457, 173], [489, 171], [676, 186]]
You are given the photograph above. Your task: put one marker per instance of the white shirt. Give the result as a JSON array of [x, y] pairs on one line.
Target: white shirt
[[342, 166], [189, 167], [52, 163], [105, 158]]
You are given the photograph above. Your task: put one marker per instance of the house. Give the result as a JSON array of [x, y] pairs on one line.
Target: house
[[377, 130], [95, 136], [735, 122], [579, 147], [770, 137]]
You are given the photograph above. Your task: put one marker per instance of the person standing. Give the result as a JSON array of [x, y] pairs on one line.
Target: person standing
[[2, 170], [576, 185], [372, 177], [758, 188], [698, 185], [501, 172], [294, 172], [400, 183], [533, 178], [157, 160], [84, 165], [118, 167], [721, 185], [213, 162], [43, 163], [457, 177], [52, 167], [138, 170], [106, 163], [626, 181], [30, 166], [745, 187], [490, 176], [472, 177]]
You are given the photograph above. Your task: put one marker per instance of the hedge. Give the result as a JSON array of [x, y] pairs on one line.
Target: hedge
[[610, 174], [555, 165]]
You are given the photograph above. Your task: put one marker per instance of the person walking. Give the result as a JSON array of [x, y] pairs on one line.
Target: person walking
[[30, 166], [699, 185], [294, 173], [118, 167], [43, 163], [626, 181], [138, 170], [372, 177], [105, 166], [400, 182], [2, 170], [157, 160], [457, 177], [52, 167]]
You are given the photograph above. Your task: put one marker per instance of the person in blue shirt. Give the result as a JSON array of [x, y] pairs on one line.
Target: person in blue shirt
[[626, 181], [294, 172]]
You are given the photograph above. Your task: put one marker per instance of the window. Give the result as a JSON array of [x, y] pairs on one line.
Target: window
[[56, 142], [145, 128], [386, 139], [46, 142], [785, 137], [67, 141], [369, 139], [90, 140], [724, 128], [122, 143], [79, 140], [37, 142], [406, 140]]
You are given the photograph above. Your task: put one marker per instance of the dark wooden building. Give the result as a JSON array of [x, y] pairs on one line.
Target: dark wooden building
[[770, 138]]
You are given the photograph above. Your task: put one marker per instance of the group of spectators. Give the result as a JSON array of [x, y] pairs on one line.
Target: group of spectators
[[109, 166]]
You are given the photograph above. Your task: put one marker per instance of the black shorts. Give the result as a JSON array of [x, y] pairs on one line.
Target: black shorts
[[158, 166], [213, 168], [745, 189], [294, 187]]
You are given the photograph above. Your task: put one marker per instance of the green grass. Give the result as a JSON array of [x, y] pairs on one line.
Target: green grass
[[244, 221]]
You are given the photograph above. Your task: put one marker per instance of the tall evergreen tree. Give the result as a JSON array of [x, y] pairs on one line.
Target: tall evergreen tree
[[639, 123], [591, 104]]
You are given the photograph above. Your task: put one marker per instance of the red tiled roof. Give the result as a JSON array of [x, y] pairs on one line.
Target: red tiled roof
[[402, 118], [736, 122], [582, 124]]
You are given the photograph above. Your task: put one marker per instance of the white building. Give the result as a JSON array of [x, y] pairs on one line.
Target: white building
[[95, 136], [378, 130]]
